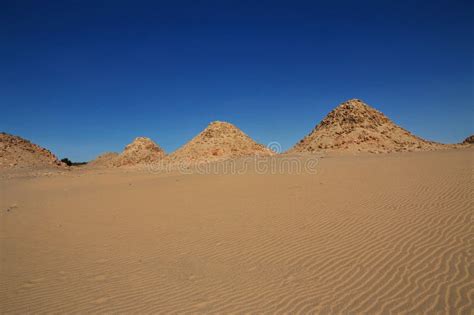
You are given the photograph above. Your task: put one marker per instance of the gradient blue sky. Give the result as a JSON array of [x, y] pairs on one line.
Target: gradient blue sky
[[84, 77]]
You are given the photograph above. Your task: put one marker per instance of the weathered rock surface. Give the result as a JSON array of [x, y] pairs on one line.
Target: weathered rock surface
[[469, 140], [219, 141], [16, 152], [355, 126], [141, 151]]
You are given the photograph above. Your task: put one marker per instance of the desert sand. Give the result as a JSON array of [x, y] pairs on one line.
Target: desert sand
[[364, 234]]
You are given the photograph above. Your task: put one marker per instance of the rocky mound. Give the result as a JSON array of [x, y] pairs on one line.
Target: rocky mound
[[106, 159], [469, 140], [219, 141], [16, 152], [355, 126], [141, 151]]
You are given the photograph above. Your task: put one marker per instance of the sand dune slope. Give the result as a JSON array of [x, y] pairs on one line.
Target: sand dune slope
[[365, 235]]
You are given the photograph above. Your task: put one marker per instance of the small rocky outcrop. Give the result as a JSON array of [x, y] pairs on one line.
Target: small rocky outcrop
[[16, 152], [469, 140], [141, 151]]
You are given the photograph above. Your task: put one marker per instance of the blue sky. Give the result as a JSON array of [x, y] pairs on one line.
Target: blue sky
[[84, 77]]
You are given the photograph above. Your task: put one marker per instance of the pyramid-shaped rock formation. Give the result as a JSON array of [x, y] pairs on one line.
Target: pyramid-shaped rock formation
[[469, 140], [141, 151], [106, 159], [355, 126], [219, 141], [16, 152]]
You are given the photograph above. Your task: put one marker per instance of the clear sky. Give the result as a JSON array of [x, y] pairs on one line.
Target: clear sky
[[84, 77]]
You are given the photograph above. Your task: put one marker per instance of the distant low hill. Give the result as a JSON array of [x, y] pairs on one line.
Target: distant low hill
[[104, 160]]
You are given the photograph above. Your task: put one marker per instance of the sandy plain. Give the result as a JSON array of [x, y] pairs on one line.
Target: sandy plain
[[371, 234]]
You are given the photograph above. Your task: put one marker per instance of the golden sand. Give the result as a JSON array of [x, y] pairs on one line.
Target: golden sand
[[365, 234]]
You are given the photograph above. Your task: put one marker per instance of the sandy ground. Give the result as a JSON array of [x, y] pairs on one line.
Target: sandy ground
[[366, 234]]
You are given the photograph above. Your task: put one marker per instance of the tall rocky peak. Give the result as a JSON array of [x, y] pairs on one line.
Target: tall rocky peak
[[356, 126]]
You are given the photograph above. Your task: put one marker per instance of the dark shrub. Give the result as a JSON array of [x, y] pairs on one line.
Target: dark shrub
[[67, 161]]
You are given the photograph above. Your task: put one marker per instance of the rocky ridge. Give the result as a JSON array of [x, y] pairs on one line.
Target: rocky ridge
[[16, 152]]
